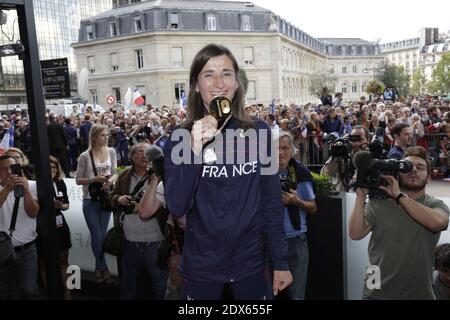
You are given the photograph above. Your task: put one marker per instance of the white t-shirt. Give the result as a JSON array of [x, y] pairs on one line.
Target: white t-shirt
[[25, 230]]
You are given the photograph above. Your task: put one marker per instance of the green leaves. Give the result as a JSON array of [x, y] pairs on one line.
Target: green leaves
[[440, 79]]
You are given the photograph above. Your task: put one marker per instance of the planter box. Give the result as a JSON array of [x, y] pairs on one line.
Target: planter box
[[325, 241]]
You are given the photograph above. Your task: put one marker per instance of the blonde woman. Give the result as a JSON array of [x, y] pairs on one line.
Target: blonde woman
[[97, 219]]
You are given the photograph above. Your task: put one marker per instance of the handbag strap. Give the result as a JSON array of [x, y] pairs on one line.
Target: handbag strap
[[92, 162], [12, 226]]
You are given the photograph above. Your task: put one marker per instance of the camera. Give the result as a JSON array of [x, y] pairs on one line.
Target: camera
[[131, 206], [370, 169], [287, 184], [342, 147], [95, 190], [156, 167]]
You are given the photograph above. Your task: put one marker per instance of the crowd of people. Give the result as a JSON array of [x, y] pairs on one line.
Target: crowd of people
[[258, 223]]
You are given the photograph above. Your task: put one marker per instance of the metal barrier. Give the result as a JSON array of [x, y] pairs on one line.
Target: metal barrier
[[313, 152]]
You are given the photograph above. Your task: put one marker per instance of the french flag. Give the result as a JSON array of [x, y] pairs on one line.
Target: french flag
[[138, 99], [8, 139], [183, 102]]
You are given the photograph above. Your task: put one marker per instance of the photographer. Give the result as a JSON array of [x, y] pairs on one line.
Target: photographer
[[143, 237], [403, 136], [405, 230], [18, 279], [299, 200], [335, 167]]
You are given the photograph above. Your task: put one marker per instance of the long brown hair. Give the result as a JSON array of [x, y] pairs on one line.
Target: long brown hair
[[195, 109]]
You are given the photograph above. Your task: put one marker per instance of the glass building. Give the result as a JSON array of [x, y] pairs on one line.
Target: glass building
[[57, 27]]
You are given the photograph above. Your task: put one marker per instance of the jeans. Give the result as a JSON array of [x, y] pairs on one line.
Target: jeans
[[19, 280], [298, 265], [138, 254], [97, 221], [298, 256]]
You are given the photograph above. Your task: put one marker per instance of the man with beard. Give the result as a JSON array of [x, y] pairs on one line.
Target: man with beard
[[405, 231]]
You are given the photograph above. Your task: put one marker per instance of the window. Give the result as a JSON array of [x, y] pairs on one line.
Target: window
[[248, 55], [355, 69], [117, 94], [115, 3], [91, 65], [139, 59], [137, 24], [445, 47], [179, 91], [353, 51], [177, 56], [414, 64], [364, 50], [344, 69], [354, 87], [344, 88], [174, 21], [94, 96], [90, 32], [246, 26], [113, 29], [114, 61], [435, 48], [251, 91], [407, 64], [211, 22], [363, 87]]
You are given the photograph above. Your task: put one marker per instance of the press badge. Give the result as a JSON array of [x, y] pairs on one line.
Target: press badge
[[59, 221], [209, 156]]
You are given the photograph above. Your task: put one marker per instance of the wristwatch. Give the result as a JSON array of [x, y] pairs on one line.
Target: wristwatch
[[401, 195]]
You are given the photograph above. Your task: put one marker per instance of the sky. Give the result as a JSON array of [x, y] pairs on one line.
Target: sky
[[388, 20]]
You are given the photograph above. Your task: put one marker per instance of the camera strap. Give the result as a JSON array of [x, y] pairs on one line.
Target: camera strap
[[12, 226], [293, 210], [139, 186], [93, 163]]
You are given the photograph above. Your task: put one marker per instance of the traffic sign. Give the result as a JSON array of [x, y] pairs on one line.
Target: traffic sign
[[110, 99]]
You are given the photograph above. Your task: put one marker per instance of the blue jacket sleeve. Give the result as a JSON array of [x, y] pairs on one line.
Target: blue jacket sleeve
[[272, 210], [180, 179]]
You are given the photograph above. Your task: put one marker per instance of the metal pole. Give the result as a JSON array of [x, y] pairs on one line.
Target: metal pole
[[36, 110]]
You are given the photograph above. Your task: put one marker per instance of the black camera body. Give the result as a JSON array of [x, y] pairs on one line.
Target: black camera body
[[287, 184], [342, 148], [95, 190], [370, 170], [131, 207], [157, 168]]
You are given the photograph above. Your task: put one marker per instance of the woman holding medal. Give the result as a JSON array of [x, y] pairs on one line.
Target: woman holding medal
[[230, 206]]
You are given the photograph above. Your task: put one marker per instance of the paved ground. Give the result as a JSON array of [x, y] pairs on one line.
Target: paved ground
[[439, 188]]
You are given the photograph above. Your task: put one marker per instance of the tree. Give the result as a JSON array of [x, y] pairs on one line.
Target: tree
[[418, 82], [323, 84], [244, 79], [440, 78], [375, 88], [395, 77]]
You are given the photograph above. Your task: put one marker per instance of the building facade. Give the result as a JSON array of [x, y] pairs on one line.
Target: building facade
[[423, 52], [57, 26], [150, 45]]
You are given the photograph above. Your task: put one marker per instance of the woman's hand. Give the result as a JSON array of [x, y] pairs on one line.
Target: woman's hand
[[202, 132]]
